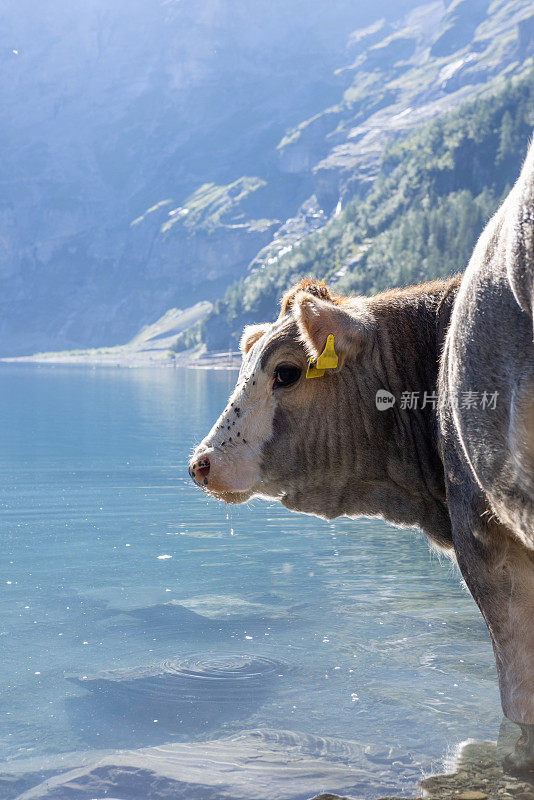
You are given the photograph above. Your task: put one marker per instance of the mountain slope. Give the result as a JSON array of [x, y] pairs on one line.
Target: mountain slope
[[433, 194], [157, 151], [403, 76], [124, 112], [156, 343]]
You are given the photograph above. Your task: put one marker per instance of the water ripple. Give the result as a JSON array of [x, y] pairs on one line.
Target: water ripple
[[227, 678]]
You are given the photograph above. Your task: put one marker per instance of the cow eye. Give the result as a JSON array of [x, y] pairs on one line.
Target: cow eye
[[285, 375]]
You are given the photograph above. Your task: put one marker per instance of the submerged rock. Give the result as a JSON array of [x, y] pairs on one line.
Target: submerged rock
[[279, 765], [252, 765], [477, 773], [175, 698], [480, 773], [337, 797]]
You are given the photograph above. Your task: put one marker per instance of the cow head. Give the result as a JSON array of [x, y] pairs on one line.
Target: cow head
[[285, 435]]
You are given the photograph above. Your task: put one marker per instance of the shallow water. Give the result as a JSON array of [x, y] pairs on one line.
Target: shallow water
[[135, 612]]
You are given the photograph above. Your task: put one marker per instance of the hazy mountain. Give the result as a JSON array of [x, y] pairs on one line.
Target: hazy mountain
[[141, 167]]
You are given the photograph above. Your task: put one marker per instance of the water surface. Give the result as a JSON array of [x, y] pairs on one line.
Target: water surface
[[134, 611]]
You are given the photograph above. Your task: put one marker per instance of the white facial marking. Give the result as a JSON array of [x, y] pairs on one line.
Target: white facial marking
[[234, 444]]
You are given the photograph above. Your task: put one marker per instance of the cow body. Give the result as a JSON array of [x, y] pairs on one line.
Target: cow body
[[488, 454], [456, 459]]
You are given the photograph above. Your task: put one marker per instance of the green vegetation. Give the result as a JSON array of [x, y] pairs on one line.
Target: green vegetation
[[189, 339], [210, 205], [435, 190]]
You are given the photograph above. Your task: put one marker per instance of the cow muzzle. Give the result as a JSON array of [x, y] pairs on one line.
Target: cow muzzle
[[229, 476]]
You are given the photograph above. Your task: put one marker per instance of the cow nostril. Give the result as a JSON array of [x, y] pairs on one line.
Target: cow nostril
[[201, 470]]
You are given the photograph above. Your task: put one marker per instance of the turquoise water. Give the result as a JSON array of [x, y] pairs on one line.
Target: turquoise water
[[135, 611]]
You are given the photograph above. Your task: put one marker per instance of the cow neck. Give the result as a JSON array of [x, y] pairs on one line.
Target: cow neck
[[411, 329]]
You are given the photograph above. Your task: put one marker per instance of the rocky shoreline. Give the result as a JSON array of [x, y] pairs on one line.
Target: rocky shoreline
[[478, 774], [129, 359]]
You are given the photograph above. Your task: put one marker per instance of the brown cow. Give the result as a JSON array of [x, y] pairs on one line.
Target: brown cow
[[426, 420]]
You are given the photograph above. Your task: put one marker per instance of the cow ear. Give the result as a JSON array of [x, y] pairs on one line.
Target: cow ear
[[250, 336], [317, 319]]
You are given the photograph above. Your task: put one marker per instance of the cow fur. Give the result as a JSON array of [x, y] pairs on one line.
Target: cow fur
[[463, 473]]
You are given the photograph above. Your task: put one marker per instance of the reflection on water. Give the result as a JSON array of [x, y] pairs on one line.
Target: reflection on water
[[115, 568]]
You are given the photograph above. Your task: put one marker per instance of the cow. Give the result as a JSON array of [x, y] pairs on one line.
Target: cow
[[415, 405]]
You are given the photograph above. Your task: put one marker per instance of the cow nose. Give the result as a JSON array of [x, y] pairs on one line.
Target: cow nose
[[200, 469]]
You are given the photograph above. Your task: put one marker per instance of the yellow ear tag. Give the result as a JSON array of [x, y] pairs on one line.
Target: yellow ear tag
[[327, 360]]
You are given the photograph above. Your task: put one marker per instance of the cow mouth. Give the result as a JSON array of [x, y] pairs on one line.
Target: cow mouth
[[231, 498]]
